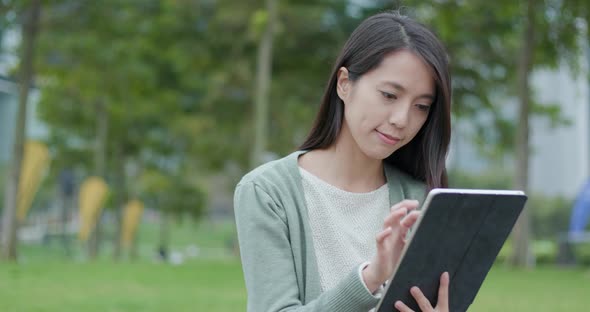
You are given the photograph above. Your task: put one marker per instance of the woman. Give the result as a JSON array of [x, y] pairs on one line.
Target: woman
[[322, 228]]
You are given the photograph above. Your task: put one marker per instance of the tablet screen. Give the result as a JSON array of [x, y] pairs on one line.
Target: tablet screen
[[460, 231]]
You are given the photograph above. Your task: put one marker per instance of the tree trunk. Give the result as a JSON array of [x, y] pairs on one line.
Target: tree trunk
[[164, 244], [65, 201], [30, 27], [521, 253], [263, 80], [102, 126], [134, 249], [65, 191], [120, 200]]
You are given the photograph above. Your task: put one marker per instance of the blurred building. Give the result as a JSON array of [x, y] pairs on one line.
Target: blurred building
[[561, 162], [560, 156], [8, 113], [8, 106]]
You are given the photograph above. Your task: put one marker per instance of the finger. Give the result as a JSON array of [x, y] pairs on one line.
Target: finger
[[402, 307], [393, 219], [406, 223], [409, 220], [409, 204], [383, 235], [443, 292], [422, 301]]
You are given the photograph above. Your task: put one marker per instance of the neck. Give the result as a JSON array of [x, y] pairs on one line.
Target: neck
[[345, 166]]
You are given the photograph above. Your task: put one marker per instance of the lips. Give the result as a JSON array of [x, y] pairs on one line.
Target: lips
[[388, 139]]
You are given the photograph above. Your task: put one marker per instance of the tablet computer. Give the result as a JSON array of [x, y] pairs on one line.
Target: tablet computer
[[460, 231]]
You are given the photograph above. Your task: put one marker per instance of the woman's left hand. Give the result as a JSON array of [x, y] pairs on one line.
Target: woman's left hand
[[443, 298]]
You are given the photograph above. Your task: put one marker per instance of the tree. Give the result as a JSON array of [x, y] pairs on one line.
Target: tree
[[100, 151], [173, 197], [177, 82], [263, 81], [30, 26], [522, 255], [142, 85]]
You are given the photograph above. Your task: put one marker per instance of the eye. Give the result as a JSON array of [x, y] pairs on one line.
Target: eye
[[389, 96], [423, 107]]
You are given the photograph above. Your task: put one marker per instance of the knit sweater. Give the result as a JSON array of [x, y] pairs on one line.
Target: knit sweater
[[276, 243], [343, 226]]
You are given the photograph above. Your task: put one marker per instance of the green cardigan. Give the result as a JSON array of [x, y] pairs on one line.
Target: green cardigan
[[276, 244]]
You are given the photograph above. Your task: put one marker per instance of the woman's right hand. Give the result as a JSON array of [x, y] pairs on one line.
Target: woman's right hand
[[390, 243]]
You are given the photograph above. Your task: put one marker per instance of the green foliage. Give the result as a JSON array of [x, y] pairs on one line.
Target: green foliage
[[493, 179], [177, 82], [483, 39], [176, 77], [582, 253], [258, 23], [184, 61], [130, 63], [173, 196], [550, 215], [546, 252]]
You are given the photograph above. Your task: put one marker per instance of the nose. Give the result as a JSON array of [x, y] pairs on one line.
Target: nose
[[400, 115]]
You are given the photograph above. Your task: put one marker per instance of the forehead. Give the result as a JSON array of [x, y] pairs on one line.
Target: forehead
[[406, 69]]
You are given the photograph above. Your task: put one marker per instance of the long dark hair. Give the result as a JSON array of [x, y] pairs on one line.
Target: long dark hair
[[424, 157]]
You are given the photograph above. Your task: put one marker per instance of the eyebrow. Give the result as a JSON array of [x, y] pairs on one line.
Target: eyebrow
[[401, 88]]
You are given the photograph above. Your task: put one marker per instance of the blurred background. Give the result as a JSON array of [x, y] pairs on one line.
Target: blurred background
[[125, 125]]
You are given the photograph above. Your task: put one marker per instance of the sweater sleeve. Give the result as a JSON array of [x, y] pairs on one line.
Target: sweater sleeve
[[268, 263]]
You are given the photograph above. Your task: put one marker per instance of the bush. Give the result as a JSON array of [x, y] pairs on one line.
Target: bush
[[549, 215], [582, 252], [545, 251], [488, 180]]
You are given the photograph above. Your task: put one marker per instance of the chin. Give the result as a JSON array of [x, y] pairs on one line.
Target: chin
[[378, 153]]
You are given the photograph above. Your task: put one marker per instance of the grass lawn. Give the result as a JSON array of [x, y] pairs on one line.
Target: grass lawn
[[107, 287], [48, 280], [206, 285], [542, 289]]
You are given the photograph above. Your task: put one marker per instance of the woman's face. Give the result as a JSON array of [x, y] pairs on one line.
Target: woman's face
[[385, 108]]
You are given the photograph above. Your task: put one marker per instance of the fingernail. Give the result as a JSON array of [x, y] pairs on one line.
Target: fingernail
[[398, 304]]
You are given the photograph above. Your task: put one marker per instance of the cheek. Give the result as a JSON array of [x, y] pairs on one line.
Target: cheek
[[373, 114], [357, 114], [420, 122], [369, 121], [365, 111]]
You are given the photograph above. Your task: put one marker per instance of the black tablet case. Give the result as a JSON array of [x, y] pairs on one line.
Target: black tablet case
[[461, 234]]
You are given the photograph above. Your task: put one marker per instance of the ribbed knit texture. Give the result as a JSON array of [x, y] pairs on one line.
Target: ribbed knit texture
[[344, 226]]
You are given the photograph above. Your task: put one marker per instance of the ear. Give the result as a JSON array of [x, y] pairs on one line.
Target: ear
[[343, 83]]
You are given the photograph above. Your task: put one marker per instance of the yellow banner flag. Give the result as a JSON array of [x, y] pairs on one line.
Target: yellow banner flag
[[35, 162], [131, 216], [93, 193]]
